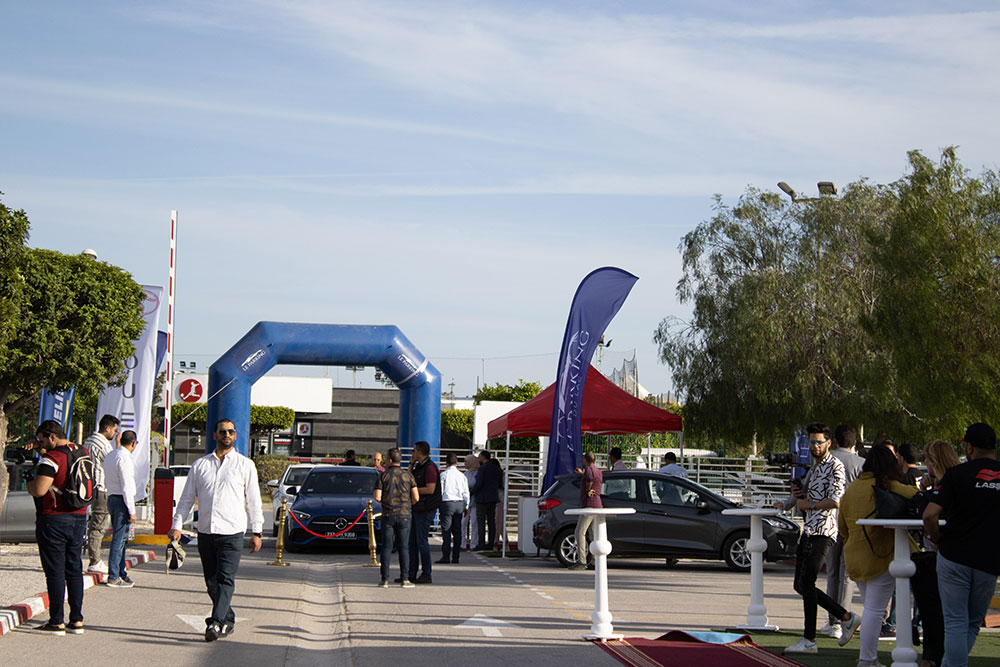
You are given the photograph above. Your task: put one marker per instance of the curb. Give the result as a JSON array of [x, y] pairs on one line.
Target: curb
[[16, 614]]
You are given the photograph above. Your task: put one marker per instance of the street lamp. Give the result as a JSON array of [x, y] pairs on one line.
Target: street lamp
[[89, 252], [826, 189]]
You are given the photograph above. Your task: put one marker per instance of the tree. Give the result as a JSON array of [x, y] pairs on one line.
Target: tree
[[521, 392], [67, 320], [818, 311]]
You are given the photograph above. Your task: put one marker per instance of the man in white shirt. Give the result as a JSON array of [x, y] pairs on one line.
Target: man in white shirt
[[119, 476], [454, 503], [615, 462], [225, 485], [99, 444], [671, 467]]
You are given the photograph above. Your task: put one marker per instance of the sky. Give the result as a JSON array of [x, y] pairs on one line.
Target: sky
[[457, 168]]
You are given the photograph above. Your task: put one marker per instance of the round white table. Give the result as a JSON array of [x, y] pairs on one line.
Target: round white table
[[902, 568], [600, 627], [756, 611]]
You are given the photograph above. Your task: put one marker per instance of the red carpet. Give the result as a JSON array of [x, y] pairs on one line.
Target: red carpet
[[703, 649]]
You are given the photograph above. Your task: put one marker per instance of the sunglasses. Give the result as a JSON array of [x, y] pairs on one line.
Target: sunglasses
[[225, 431], [818, 442]]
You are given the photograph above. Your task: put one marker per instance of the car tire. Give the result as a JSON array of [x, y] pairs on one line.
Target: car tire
[[735, 552], [565, 547], [274, 530]]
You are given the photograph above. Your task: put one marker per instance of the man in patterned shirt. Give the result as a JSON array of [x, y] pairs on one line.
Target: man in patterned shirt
[[397, 491], [818, 498]]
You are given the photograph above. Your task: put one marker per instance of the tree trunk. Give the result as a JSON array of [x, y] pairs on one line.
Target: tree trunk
[[4, 477]]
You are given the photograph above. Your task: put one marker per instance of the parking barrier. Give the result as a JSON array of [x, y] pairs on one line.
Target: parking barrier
[[332, 535], [372, 547], [279, 549]]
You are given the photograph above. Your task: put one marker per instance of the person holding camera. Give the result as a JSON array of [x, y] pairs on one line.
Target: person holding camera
[[818, 497]]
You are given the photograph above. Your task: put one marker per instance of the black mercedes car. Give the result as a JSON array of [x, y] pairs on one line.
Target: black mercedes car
[[674, 518]]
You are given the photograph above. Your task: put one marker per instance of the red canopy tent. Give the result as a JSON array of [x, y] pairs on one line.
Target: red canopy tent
[[606, 409]]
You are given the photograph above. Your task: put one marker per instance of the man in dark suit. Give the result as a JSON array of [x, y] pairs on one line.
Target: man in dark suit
[[486, 494]]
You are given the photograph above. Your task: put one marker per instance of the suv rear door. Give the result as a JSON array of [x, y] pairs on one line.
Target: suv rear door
[[625, 531]]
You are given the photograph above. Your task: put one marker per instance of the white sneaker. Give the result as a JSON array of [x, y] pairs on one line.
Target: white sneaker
[[99, 566], [802, 646], [870, 663], [831, 630], [848, 628]]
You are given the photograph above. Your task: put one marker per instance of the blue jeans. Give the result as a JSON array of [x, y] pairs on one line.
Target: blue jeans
[[395, 527], [119, 535], [451, 529], [60, 542], [420, 548], [965, 596], [220, 558]]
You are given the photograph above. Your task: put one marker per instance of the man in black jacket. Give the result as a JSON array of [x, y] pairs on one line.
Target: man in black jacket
[[425, 472], [486, 494]]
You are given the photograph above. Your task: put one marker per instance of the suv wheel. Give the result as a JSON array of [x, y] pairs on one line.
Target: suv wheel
[[565, 545], [735, 552]]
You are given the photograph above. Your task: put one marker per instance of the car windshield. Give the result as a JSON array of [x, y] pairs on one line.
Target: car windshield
[[295, 476], [339, 482]]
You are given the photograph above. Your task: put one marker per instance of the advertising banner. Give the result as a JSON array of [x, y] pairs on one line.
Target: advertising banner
[[598, 299], [132, 402], [57, 405]]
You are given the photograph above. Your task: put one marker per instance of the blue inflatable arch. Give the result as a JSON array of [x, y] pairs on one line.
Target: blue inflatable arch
[[270, 343]]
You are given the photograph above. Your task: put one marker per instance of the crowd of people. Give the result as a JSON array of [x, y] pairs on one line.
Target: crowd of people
[[954, 555]]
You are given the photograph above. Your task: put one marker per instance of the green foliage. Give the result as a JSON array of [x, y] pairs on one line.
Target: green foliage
[[521, 392], [76, 327], [263, 418], [269, 466], [459, 422], [13, 236], [877, 307]]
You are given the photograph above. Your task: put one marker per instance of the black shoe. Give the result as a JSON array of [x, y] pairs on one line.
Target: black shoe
[[213, 632], [227, 629], [398, 580], [443, 561], [423, 579], [53, 629], [455, 561]]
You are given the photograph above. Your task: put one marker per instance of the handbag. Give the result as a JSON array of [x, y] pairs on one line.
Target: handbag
[[889, 505]]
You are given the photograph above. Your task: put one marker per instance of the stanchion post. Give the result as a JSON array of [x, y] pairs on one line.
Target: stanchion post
[[371, 537], [280, 547]]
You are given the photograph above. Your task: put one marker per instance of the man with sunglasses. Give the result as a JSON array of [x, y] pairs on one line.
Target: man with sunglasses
[[225, 485], [818, 499]]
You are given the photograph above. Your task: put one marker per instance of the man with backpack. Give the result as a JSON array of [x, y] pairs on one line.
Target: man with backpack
[[63, 487]]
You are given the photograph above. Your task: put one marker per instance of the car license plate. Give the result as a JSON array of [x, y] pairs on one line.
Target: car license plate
[[345, 536]]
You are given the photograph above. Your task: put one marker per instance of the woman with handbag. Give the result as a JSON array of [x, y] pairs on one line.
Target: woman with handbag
[[868, 550]]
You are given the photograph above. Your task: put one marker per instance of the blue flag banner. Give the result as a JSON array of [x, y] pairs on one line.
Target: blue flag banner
[[57, 405], [598, 299]]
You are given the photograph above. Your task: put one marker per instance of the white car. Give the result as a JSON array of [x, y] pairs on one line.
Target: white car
[[294, 474]]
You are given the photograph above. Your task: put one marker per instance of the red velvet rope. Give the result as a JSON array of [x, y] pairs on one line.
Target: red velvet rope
[[353, 523]]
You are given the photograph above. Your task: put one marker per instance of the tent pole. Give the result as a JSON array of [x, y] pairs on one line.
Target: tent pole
[[649, 452], [680, 437], [506, 499]]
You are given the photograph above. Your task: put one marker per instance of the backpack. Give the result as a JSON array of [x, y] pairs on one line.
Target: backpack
[[80, 486]]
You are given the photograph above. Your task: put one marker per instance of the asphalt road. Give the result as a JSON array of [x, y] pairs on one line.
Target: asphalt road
[[327, 609]]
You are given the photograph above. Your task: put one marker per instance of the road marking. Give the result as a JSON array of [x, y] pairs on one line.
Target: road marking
[[489, 626]]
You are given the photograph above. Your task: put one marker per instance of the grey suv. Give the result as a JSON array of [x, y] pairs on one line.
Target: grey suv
[[674, 518]]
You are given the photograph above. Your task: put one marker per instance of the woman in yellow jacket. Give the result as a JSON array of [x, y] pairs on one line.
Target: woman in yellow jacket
[[868, 550]]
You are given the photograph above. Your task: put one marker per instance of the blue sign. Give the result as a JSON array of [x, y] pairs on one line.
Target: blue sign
[[57, 405]]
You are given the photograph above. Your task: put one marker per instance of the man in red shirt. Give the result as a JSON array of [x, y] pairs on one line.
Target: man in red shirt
[[59, 529], [590, 496]]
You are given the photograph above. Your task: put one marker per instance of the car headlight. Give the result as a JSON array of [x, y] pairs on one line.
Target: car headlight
[[301, 516], [773, 522]]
